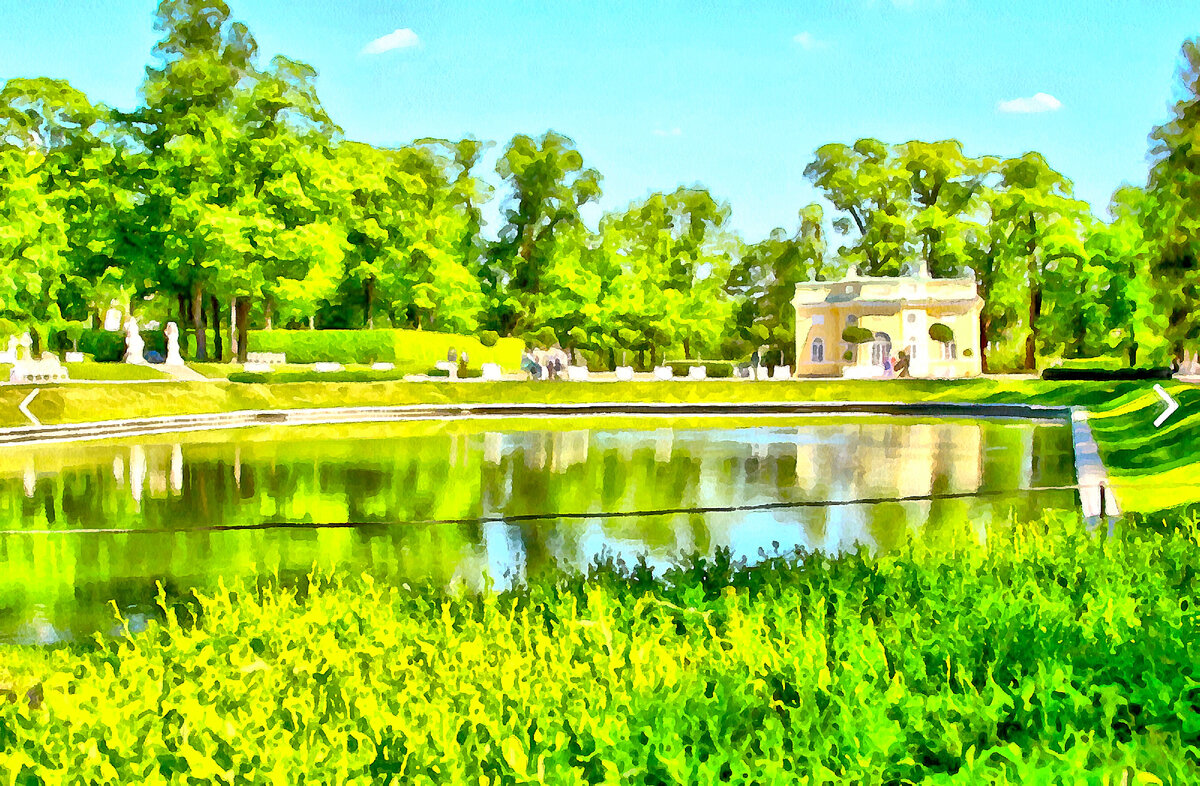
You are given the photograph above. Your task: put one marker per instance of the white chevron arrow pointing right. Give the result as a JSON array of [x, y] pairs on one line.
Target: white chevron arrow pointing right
[[1171, 403]]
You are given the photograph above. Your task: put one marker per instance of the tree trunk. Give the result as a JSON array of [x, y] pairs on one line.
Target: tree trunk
[[369, 294], [267, 312], [201, 353], [1133, 350], [312, 322], [1035, 312], [242, 310], [214, 307], [687, 348]]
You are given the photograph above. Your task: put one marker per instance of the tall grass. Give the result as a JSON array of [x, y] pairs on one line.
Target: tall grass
[[1046, 654]]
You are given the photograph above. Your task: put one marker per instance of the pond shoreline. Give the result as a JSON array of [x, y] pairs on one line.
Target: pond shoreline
[[74, 432]]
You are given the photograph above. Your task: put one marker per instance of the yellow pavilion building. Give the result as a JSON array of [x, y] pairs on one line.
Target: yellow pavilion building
[[898, 312]]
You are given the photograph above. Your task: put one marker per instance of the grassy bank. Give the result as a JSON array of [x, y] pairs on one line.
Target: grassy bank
[[1152, 468], [1046, 655]]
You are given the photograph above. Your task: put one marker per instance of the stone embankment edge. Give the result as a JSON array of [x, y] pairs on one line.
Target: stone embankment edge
[[1095, 492], [70, 432], [1090, 473]]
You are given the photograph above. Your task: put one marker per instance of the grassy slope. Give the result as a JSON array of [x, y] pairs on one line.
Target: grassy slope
[[1123, 413]]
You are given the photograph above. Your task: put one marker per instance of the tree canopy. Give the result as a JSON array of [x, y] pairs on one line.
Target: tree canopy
[[229, 186]]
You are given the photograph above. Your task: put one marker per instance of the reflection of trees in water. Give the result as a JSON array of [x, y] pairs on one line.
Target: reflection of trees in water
[[444, 476]]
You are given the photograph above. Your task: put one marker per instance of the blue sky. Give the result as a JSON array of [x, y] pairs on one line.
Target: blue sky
[[734, 96]]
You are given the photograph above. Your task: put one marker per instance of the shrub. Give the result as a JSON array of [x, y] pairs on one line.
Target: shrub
[[73, 331], [489, 338], [463, 373], [847, 355], [714, 369], [308, 375], [854, 334], [108, 347], [941, 333], [416, 348]]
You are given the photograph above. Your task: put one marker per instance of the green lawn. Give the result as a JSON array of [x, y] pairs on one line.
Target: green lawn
[[1150, 467], [1044, 655], [108, 372]]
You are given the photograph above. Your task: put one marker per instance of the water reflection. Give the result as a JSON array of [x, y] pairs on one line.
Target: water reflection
[[166, 494]]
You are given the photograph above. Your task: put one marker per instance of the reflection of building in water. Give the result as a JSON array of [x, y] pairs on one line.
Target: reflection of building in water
[[568, 448], [157, 475], [962, 452], [535, 451], [806, 465], [29, 477], [1027, 466], [119, 470], [177, 468], [664, 444], [493, 447], [912, 460], [137, 472]]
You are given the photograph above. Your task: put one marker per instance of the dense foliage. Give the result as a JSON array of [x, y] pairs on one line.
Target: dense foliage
[[1045, 654], [230, 188]]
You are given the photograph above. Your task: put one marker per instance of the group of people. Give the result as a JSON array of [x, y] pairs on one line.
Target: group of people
[[545, 363], [895, 367]]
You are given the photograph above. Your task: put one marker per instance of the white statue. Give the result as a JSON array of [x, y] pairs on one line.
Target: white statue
[[112, 319], [173, 356], [10, 355], [134, 345], [25, 347]]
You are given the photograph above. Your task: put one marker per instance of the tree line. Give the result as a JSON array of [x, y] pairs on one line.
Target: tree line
[[230, 187]]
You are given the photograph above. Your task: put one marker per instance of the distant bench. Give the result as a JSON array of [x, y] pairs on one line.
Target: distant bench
[[48, 369], [266, 358]]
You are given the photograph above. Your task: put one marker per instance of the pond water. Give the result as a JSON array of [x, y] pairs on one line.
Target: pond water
[[88, 524]]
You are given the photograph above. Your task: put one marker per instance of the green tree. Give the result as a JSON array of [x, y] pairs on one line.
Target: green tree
[[1173, 214], [549, 185], [186, 127], [1037, 225], [763, 282], [868, 183]]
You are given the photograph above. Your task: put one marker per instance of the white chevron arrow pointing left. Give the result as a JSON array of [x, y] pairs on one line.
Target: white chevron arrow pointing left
[[1171, 403]]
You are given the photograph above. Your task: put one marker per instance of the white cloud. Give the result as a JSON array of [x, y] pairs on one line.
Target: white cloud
[[809, 42], [399, 39], [677, 131], [1038, 102]]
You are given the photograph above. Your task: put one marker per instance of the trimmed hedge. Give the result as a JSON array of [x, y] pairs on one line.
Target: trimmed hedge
[[1106, 375], [418, 348], [857, 335], [108, 347], [308, 375], [463, 373], [941, 333], [715, 369]]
